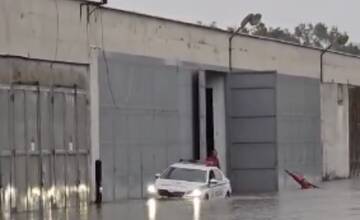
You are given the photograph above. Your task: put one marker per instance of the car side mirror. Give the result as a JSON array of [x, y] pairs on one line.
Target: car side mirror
[[213, 182], [157, 176]]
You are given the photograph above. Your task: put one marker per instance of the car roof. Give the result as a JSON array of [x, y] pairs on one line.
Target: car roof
[[195, 166]]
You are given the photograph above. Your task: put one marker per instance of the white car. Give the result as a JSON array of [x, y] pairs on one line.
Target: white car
[[190, 180]]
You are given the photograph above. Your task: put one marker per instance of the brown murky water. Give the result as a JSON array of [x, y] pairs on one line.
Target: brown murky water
[[339, 200]]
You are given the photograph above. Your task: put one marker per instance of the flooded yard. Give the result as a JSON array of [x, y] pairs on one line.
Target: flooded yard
[[335, 200]]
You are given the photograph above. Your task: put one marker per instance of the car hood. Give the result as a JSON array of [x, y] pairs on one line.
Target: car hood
[[177, 185]]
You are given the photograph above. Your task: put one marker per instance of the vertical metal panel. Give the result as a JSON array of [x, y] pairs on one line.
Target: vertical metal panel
[[254, 180], [33, 164], [20, 176], [20, 159], [83, 193], [34, 183], [60, 180], [253, 156], [251, 124], [259, 101], [81, 120], [354, 124], [253, 129], [69, 122], [47, 181], [65, 148], [147, 125], [202, 112], [4, 146], [40, 154], [121, 172], [11, 126], [71, 160], [135, 165], [6, 183], [19, 120], [298, 128], [76, 139], [71, 180], [59, 103], [32, 150], [27, 149], [31, 120], [45, 120], [46, 151], [107, 171], [53, 188], [59, 145], [4, 117]]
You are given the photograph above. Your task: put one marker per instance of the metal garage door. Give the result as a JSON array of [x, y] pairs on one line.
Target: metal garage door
[[251, 110], [44, 147]]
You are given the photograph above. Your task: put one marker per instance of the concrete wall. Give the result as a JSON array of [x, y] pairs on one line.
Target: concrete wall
[[59, 30], [298, 128], [335, 130], [47, 73], [146, 125]]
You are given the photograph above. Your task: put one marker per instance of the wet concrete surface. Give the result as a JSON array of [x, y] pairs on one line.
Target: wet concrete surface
[[338, 200]]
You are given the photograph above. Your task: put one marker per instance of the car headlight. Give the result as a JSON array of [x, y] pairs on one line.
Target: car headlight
[[195, 193], [151, 189]]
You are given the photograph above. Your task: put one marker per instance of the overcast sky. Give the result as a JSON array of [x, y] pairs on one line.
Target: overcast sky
[[285, 13]]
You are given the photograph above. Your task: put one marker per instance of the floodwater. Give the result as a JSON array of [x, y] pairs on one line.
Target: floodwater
[[338, 200]]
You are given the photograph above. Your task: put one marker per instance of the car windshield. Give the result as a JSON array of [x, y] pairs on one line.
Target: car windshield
[[190, 175]]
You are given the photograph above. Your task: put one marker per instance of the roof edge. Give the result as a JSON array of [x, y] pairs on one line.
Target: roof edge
[[220, 30]]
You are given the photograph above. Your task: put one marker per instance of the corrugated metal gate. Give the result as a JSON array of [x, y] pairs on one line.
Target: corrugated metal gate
[[44, 146], [251, 128], [354, 124]]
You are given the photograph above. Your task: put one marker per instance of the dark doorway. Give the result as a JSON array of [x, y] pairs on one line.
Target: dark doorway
[[196, 118], [354, 125], [209, 121]]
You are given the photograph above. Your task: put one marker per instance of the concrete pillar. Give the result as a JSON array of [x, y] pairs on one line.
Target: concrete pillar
[[94, 117], [335, 130]]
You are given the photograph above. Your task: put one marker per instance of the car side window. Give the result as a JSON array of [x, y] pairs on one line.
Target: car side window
[[218, 175]]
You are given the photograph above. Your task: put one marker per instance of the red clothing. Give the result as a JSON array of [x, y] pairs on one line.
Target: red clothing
[[212, 160]]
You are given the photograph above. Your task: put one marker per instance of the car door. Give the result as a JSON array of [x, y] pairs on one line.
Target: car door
[[220, 189], [216, 190]]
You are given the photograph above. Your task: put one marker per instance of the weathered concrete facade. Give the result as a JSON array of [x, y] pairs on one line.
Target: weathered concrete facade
[[335, 133], [139, 79]]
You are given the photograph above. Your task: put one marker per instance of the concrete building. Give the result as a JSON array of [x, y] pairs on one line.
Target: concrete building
[[81, 82]]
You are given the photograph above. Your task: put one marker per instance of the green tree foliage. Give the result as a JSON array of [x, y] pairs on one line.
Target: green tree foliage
[[315, 35]]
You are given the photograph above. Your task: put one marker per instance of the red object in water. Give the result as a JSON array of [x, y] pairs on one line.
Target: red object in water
[[304, 183]]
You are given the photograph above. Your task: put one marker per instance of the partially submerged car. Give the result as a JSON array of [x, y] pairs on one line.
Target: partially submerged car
[[190, 180]]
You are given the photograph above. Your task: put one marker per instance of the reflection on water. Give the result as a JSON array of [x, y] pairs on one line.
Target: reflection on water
[[196, 208], [9, 195], [28, 204], [341, 200], [151, 203]]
